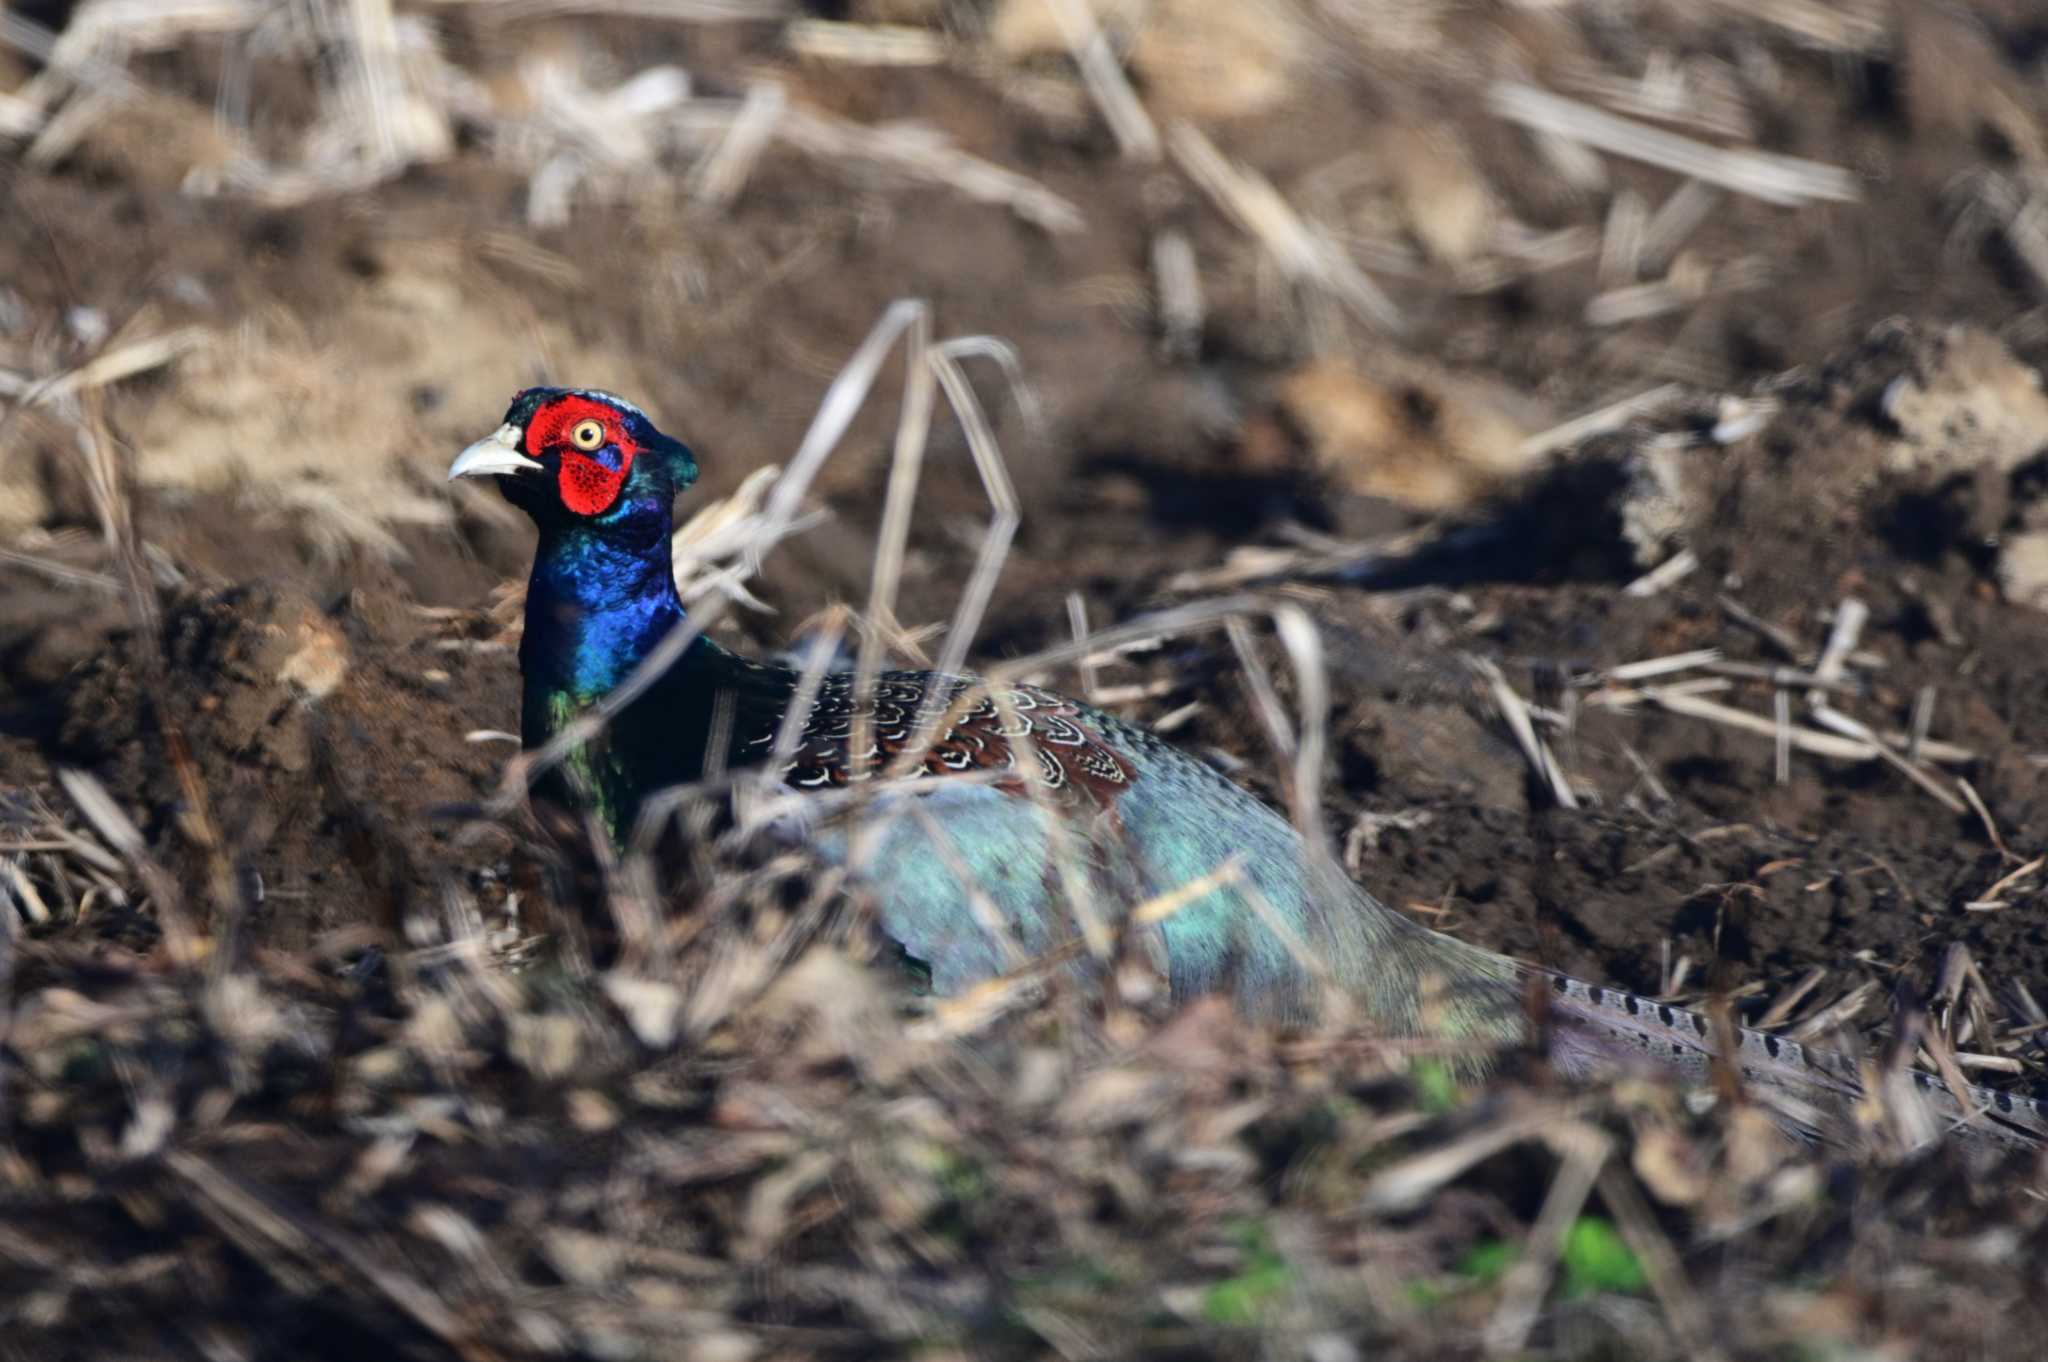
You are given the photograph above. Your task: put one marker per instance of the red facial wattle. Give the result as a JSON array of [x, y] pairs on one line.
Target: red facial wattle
[[588, 480], [587, 486]]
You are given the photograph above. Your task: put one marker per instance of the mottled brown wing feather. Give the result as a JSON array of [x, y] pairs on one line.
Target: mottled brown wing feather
[[1073, 759]]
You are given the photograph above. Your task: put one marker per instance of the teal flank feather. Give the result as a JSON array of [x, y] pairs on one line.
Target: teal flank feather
[[1140, 818]]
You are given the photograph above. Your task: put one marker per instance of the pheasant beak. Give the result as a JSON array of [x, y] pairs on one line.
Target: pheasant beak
[[497, 452]]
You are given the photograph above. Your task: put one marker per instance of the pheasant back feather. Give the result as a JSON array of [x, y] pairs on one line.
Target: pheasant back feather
[[1068, 756]]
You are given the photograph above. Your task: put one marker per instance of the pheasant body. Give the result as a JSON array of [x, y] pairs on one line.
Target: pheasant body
[[1141, 819], [1020, 792]]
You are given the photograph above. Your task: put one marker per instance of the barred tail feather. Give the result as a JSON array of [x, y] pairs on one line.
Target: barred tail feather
[[1599, 1030]]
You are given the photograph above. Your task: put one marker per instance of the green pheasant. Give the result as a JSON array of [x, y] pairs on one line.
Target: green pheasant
[[1146, 819]]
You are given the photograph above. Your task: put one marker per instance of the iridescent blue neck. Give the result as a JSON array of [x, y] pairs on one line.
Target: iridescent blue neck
[[597, 603]]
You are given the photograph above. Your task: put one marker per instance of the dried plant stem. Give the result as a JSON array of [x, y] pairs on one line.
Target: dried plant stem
[[1783, 180], [1121, 108], [1304, 253]]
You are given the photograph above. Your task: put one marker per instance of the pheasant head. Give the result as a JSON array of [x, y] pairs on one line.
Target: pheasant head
[[579, 459]]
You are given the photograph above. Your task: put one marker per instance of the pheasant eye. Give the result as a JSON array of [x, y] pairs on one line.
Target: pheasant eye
[[587, 435]]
